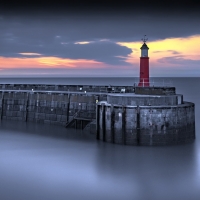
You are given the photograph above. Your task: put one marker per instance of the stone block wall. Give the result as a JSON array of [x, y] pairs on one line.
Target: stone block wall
[[143, 100], [49, 108], [146, 125]]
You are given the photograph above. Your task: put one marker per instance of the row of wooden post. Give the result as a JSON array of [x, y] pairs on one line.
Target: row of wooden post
[[123, 129]]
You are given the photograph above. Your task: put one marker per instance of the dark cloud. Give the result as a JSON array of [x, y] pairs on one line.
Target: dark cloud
[[99, 51], [41, 28], [48, 34], [52, 45], [118, 21]]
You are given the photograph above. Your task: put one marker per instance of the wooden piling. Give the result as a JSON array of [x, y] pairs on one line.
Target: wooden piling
[[26, 107], [103, 123], [124, 125], [97, 122], [112, 123], [138, 125], [2, 102], [68, 107]]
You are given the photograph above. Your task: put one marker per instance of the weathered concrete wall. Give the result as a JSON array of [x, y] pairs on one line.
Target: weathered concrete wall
[[155, 90], [48, 108], [75, 88], [51, 108], [146, 125], [32, 102], [164, 125], [143, 100]]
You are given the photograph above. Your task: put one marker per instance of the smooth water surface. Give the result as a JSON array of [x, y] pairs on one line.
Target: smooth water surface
[[46, 162]]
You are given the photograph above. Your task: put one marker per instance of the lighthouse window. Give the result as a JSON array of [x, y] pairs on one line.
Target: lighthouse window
[[144, 53]]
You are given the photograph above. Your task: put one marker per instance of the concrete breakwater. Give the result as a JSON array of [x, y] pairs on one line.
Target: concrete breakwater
[[66, 105], [46, 107], [119, 114], [145, 119]]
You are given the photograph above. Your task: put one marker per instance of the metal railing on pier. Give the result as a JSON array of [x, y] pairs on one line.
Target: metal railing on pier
[[152, 82]]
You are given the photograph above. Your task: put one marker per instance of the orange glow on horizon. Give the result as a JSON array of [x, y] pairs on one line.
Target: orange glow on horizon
[[180, 48], [47, 62], [175, 48]]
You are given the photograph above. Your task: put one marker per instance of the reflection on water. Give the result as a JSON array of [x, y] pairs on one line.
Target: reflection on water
[[37, 164], [46, 162], [197, 152]]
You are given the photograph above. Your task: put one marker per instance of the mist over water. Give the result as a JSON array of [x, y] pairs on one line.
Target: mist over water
[[47, 162]]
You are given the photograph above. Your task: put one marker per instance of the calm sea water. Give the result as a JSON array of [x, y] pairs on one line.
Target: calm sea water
[[46, 162]]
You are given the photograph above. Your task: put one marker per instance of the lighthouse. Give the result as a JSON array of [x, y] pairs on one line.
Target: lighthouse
[[115, 116], [144, 65]]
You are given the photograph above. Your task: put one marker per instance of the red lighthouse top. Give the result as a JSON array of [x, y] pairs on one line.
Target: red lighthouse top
[[144, 64], [144, 48]]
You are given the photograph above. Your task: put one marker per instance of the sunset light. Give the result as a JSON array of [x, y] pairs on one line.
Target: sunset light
[[45, 62], [163, 51], [100, 44], [100, 100]]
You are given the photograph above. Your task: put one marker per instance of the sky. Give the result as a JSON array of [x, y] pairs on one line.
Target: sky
[[99, 39]]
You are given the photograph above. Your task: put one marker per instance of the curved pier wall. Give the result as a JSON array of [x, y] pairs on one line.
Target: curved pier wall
[[146, 125], [51, 108], [144, 100]]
